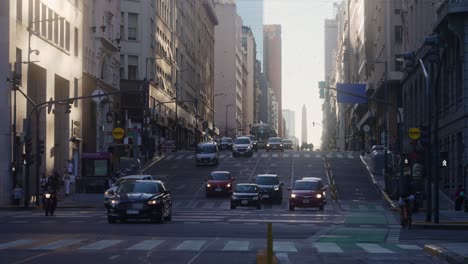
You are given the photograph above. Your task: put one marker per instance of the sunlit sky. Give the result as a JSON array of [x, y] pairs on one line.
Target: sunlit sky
[[302, 28]]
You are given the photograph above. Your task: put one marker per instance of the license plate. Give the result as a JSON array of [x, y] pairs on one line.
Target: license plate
[[132, 212], [265, 196], [218, 189], [137, 206], [244, 202], [305, 201]]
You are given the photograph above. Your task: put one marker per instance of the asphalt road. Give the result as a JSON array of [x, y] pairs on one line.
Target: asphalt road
[[357, 229]]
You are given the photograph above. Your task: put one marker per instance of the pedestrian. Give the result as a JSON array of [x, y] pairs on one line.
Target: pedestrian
[[43, 182], [18, 194], [459, 197], [66, 183]]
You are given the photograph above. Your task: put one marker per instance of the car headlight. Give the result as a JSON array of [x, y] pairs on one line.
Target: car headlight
[[255, 198], [208, 185], [228, 185], [113, 202], [293, 195], [249, 147], [281, 145], [268, 145], [47, 195], [276, 188], [319, 195], [153, 202]]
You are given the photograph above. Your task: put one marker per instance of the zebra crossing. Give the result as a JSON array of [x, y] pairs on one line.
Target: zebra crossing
[[175, 244], [227, 155]]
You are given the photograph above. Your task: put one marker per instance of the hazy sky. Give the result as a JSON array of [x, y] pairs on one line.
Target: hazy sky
[[302, 24]]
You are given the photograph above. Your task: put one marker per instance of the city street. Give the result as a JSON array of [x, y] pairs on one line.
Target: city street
[[359, 228]]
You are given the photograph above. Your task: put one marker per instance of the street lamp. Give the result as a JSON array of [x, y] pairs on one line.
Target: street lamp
[[226, 126]]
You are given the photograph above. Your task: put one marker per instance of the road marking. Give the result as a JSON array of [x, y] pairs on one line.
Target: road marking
[[350, 156], [318, 156], [323, 247], [189, 157], [16, 243], [101, 245], [307, 155], [339, 156], [285, 155], [373, 248], [59, 244], [146, 245], [329, 155], [222, 156], [237, 246], [179, 157], [169, 157], [363, 207], [274, 155], [282, 246], [409, 247], [208, 205], [296, 155], [264, 155], [114, 257], [192, 245], [283, 257], [255, 155]]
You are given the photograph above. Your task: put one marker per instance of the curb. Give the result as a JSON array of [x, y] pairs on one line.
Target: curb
[[441, 226], [158, 159], [331, 180], [385, 195], [444, 254]]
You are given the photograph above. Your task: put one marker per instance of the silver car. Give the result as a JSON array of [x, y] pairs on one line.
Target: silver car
[[207, 154], [242, 147]]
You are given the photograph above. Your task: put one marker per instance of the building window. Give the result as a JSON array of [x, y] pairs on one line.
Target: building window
[[104, 69], [76, 42], [18, 64], [122, 69], [50, 24], [67, 35], [398, 34], [122, 26], [37, 17], [132, 26], [75, 91], [56, 28], [132, 67], [44, 23], [19, 10], [62, 33]]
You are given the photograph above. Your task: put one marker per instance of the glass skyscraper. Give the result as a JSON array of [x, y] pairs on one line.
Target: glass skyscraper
[[251, 12]]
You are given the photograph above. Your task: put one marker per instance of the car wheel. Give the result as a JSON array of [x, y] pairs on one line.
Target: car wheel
[[233, 206], [321, 208], [111, 220], [291, 207]]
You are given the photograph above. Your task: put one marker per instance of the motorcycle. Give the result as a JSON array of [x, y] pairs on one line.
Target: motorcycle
[[50, 203]]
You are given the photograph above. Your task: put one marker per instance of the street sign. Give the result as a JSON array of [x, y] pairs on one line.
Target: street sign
[[118, 133], [98, 99], [414, 133]]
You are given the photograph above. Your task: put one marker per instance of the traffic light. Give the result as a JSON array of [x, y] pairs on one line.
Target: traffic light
[[41, 146], [425, 135], [68, 107], [322, 93]]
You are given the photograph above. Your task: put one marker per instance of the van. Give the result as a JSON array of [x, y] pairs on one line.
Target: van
[[207, 154]]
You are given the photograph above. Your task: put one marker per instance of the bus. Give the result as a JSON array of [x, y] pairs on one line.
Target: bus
[[262, 133]]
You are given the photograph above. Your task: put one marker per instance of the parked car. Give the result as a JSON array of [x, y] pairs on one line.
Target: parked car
[[274, 143], [246, 194], [242, 146], [287, 144], [225, 143], [270, 187], [140, 199], [254, 142], [207, 154], [307, 193], [218, 182], [108, 192]]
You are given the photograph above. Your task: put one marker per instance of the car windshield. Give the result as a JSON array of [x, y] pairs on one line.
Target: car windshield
[[246, 188], [226, 140], [219, 176], [138, 187], [242, 141], [287, 141], [306, 185], [252, 138], [207, 149], [267, 180], [275, 140]]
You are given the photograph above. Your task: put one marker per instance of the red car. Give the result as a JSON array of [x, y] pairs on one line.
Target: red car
[[307, 193], [218, 183]]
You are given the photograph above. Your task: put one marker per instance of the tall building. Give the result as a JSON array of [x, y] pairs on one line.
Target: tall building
[[228, 67], [331, 41], [272, 66], [251, 13], [290, 123], [304, 125], [249, 97], [46, 61]]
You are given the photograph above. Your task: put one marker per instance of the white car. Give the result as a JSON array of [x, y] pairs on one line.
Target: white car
[[111, 191], [242, 147]]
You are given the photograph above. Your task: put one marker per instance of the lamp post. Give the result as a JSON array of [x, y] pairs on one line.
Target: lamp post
[[226, 126]]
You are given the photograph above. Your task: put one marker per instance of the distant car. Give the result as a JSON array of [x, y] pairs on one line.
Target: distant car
[[218, 182], [287, 144], [242, 146], [225, 143], [246, 194], [254, 142], [274, 143], [111, 191], [307, 193], [317, 179], [140, 199], [207, 154], [270, 187]]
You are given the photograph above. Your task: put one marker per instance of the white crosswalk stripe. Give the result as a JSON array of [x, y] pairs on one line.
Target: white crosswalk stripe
[[146, 245], [264, 155], [350, 156], [58, 244], [274, 155], [189, 157], [373, 248], [409, 247], [285, 155], [307, 155], [169, 157], [323, 247], [340, 156], [237, 246], [180, 157], [191, 245], [318, 156], [283, 246], [329, 155], [222, 156], [101, 245], [296, 155], [17, 243]]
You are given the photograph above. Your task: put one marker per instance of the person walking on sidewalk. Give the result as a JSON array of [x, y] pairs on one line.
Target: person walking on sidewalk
[[18, 194], [67, 177], [459, 197]]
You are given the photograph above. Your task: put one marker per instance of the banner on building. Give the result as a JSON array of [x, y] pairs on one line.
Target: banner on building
[[351, 93]]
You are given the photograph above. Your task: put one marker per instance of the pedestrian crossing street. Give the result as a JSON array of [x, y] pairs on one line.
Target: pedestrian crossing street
[[227, 155], [166, 244]]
